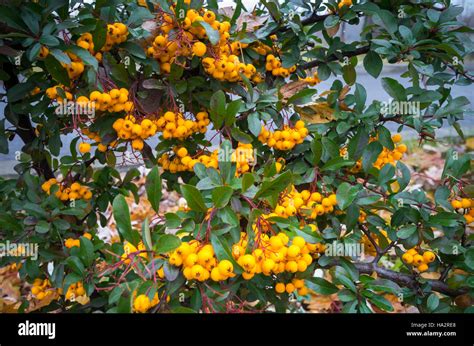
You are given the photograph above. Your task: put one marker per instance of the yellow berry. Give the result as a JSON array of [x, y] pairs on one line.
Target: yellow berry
[[280, 288], [199, 49], [84, 147], [407, 258], [429, 257]]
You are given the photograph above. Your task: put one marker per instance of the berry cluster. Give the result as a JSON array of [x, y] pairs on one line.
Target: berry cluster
[[75, 68], [285, 139], [466, 207], [142, 303], [116, 34], [420, 260], [42, 289], [129, 129], [130, 250], [261, 48], [74, 192], [71, 242], [181, 161], [54, 93], [391, 156], [305, 202], [313, 80], [113, 101], [243, 156], [94, 136], [199, 262], [295, 284], [175, 125], [228, 68], [274, 255], [369, 247], [75, 292], [386, 156], [273, 64]]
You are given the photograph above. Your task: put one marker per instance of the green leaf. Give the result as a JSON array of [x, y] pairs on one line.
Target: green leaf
[[212, 33], [384, 285], [406, 232], [386, 173], [49, 40], [99, 35], [302, 97], [387, 20], [469, 258], [19, 91], [167, 243], [231, 111], [134, 49], [193, 197], [42, 227], [445, 219], [221, 196], [274, 186], [373, 64], [56, 70], [378, 301], [336, 163], [255, 126], [85, 56], [60, 56], [146, 236], [346, 194], [370, 155], [394, 89], [223, 252], [217, 108], [321, 286], [240, 136], [349, 74], [122, 218], [432, 302], [153, 188], [75, 264], [247, 180], [86, 251]]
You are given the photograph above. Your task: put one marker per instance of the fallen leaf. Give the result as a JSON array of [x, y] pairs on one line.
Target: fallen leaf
[[316, 113], [290, 89]]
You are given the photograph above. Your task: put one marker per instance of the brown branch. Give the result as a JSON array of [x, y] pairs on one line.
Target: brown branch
[[366, 231], [405, 280], [398, 120], [408, 280]]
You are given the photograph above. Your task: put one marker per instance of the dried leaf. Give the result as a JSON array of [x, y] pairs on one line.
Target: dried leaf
[[316, 113], [290, 89], [333, 30], [252, 21]]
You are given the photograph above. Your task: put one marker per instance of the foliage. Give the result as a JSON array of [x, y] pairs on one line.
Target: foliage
[[277, 192]]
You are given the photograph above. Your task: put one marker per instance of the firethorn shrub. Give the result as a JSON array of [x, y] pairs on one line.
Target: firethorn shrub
[[276, 170]]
